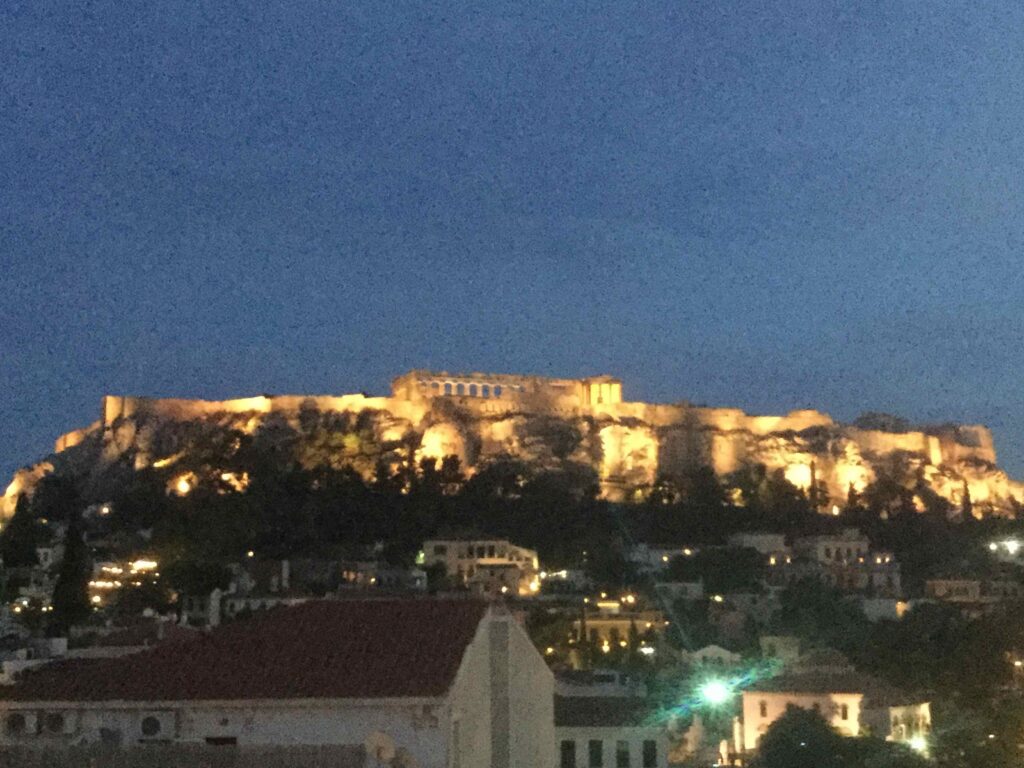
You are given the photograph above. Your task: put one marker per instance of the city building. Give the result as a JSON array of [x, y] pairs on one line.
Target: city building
[[442, 682], [845, 547], [491, 567], [604, 731], [823, 681], [712, 656], [609, 625], [844, 561]]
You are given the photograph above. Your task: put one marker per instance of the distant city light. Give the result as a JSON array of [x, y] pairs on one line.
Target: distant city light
[[1012, 545], [647, 650]]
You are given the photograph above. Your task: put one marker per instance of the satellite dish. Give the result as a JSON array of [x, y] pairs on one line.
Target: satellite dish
[[379, 746]]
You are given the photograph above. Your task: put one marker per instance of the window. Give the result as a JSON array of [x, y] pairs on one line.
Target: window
[[621, 754], [490, 550], [595, 753], [650, 753], [568, 754], [763, 707], [55, 722], [440, 549], [16, 723], [844, 712], [150, 726], [222, 741]]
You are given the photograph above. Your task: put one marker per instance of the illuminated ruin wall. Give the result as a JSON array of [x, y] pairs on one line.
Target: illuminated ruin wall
[[550, 422]]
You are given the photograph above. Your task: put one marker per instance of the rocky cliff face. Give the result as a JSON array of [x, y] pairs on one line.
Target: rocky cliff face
[[627, 445]]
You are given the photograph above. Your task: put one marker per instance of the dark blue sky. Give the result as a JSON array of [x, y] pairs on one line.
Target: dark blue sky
[[764, 205]]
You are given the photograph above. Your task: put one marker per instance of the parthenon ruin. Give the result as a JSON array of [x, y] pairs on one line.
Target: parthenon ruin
[[423, 384]]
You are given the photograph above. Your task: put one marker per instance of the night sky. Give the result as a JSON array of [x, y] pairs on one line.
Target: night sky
[[762, 205]]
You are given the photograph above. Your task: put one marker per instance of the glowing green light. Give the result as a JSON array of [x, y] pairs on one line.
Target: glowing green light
[[715, 692]]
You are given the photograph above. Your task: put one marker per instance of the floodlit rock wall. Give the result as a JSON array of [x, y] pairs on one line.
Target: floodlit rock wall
[[553, 422]]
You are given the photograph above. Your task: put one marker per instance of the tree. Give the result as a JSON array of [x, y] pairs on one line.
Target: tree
[[71, 592], [802, 739], [20, 537], [722, 570], [799, 739]]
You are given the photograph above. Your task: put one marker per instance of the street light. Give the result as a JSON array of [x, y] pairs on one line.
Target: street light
[[715, 692]]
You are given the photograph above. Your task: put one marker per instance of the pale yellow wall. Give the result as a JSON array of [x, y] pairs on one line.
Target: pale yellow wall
[[829, 704]]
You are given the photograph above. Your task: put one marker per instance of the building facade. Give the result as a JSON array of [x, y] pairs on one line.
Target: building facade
[[446, 683]]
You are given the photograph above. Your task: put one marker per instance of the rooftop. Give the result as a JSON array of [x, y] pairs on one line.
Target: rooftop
[[602, 712], [358, 649]]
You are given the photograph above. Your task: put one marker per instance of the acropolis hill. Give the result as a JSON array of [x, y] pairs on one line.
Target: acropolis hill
[[553, 423]]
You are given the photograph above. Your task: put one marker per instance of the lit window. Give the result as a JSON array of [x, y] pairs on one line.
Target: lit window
[[844, 712]]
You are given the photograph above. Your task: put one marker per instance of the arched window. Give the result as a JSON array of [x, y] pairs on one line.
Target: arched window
[[497, 390], [447, 387], [55, 722], [473, 390], [460, 389], [485, 390]]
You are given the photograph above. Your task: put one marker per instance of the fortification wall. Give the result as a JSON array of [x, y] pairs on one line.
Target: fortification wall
[[478, 416], [75, 437]]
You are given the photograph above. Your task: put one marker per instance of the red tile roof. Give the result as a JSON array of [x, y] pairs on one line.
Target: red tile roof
[[321, 649]]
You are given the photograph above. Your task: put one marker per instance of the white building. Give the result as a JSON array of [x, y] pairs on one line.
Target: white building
[[846, 547], [443, 682], [491, 567], [823, 680], [712, 656], [607, 731]]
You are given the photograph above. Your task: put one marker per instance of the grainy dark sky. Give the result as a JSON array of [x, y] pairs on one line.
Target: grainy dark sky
[[767, 205]]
